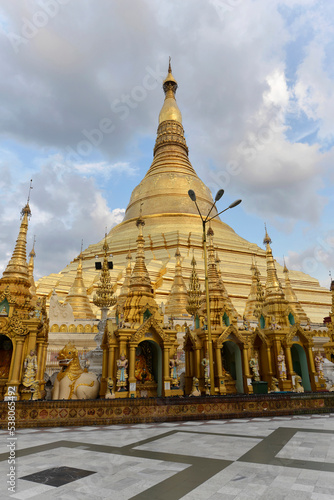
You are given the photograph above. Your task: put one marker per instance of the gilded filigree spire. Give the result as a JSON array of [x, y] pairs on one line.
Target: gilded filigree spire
[[177, 301], [256, 295], [195, 296], [275, 307], [104, 297], [291, 297], [220, 302], [273, 285], [140, 279], [141, 295], [259, 295], [77, 296], [125, 288]]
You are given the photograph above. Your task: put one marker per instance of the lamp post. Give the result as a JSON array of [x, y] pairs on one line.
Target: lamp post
[[192, 196]]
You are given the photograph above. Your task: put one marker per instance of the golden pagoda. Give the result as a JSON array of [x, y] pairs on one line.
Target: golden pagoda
[[172, 221], [23, 324]]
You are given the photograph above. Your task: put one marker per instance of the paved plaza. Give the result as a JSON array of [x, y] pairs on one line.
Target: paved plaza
[[290, 458]]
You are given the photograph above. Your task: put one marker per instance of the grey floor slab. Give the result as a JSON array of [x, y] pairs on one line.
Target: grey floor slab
[[273, 459]]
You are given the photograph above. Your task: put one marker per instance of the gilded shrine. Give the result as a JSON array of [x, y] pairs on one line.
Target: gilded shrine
[[143, 324]]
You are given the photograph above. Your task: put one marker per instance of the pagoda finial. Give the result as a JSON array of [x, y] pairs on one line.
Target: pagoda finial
[[32, 252], [266, 239], [29, 192], [170, 110]]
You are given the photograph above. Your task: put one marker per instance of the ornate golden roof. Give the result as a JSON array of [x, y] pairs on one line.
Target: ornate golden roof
[[140, 295]]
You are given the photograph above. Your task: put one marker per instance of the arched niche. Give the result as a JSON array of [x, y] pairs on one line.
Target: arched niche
[[231, 358], [300, 366], [148, 352], [6, 352]]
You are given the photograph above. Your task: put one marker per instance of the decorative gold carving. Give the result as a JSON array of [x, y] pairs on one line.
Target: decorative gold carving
[[149, 323], [230, 330]]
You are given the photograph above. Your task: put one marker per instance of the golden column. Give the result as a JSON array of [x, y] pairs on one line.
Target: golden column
[[192, 196], [132, 364], [17, 363]]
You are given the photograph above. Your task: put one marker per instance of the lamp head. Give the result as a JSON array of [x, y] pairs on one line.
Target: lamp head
[[192, 195], [235, 203], [219, 194]]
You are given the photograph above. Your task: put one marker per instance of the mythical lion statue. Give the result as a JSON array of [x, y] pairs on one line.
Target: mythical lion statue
[[73, 382]]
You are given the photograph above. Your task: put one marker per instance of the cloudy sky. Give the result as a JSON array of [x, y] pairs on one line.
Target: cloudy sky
[[80, 94]]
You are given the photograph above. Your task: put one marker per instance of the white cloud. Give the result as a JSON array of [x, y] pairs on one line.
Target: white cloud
[[240, 108], [106, 170]]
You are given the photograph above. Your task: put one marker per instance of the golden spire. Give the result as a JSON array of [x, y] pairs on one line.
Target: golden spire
[[77, 296], [275, 306], [258, 307], [140, 279], [32, 256], [177, 300], [273, 285], [259, 300], [220, 302], [16, 275], [194, 291], [104, 297], [126, 283], [165, 185], [298, 311], [256, 295], [141, 294], [17, 266], [170, 110]]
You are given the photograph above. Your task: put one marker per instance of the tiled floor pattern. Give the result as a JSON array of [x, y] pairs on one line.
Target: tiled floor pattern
[[281, 458]]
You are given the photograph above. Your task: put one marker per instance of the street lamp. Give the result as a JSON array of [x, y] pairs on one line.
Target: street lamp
[[192, 196]]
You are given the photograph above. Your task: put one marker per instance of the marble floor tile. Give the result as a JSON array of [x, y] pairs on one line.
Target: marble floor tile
[[282, 458]]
